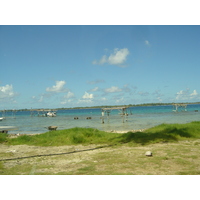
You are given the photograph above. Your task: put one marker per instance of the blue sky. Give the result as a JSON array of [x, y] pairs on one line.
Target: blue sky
[[71, 66]]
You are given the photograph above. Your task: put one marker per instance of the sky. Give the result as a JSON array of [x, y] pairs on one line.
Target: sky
[[87, 65]]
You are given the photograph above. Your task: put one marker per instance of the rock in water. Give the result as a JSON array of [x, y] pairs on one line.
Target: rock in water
[[52, 128], [148, 153]]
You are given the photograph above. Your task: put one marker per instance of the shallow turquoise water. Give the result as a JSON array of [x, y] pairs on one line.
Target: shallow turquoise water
[[138, 118]]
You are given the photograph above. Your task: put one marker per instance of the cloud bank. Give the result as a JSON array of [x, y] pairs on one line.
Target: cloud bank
[[186, 95]]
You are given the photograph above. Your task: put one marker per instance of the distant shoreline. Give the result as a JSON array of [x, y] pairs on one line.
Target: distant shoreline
[[13, 135], [105, 106]]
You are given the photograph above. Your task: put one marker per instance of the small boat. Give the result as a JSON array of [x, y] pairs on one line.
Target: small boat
[[51, 114], [1, 118]]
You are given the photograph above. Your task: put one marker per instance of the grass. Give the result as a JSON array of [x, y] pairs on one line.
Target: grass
[[174, 158], [65, 137], [161, 133], [164, 133], [175, 148], [126, 160], [3, 137]]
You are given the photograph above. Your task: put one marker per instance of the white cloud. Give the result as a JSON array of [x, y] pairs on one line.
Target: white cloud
[[59, 87], [121, 100], [182, 95], [194, 94], [40, 98], [86, 99], [6, 92], [88, 96], [66, 101], [113, 89], [94, 89], [185, 95], [147, 42], [94, 62], [69, 95], [67, 98], [103, 60], [118, 57]]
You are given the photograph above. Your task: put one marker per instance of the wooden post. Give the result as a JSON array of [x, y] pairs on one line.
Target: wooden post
[[108, 115], [108, 110], [123, 114], [102, 118]]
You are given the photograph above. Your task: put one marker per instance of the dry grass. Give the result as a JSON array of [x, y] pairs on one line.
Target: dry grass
[[175, 147], [168, 158]]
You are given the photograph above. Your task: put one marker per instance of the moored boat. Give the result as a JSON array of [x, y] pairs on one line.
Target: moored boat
[[51, 114]]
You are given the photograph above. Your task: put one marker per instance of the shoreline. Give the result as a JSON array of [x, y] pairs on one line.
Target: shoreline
[[137, 121], [105, 106], [115, 131], [174, 150], [14, 135]]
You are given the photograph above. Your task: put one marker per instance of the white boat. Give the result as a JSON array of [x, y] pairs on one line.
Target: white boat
[[1, 118], [51, 114]]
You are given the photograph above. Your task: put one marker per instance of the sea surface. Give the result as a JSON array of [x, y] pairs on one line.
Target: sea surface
[[140, 117]]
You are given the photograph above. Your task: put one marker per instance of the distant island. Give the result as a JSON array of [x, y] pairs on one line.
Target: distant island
[[105, 106], [130, 105]]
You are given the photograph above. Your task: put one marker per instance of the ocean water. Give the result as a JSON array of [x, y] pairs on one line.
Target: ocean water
[[140, 117]]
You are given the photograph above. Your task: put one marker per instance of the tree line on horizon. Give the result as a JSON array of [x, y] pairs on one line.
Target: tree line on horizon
[[105, 106]]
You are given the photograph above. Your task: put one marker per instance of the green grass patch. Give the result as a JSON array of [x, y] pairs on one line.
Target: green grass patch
[[3, 137], [161, 133], [90, 169], [17, 169], [1, 168], [66, 137], [164, 133], [195, 172]]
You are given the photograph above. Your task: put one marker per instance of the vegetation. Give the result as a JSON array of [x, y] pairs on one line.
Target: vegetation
[[105, 106], [3, 137], [85, 136], [71, 136], [175, 150], [164, 133], [130, 105]]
